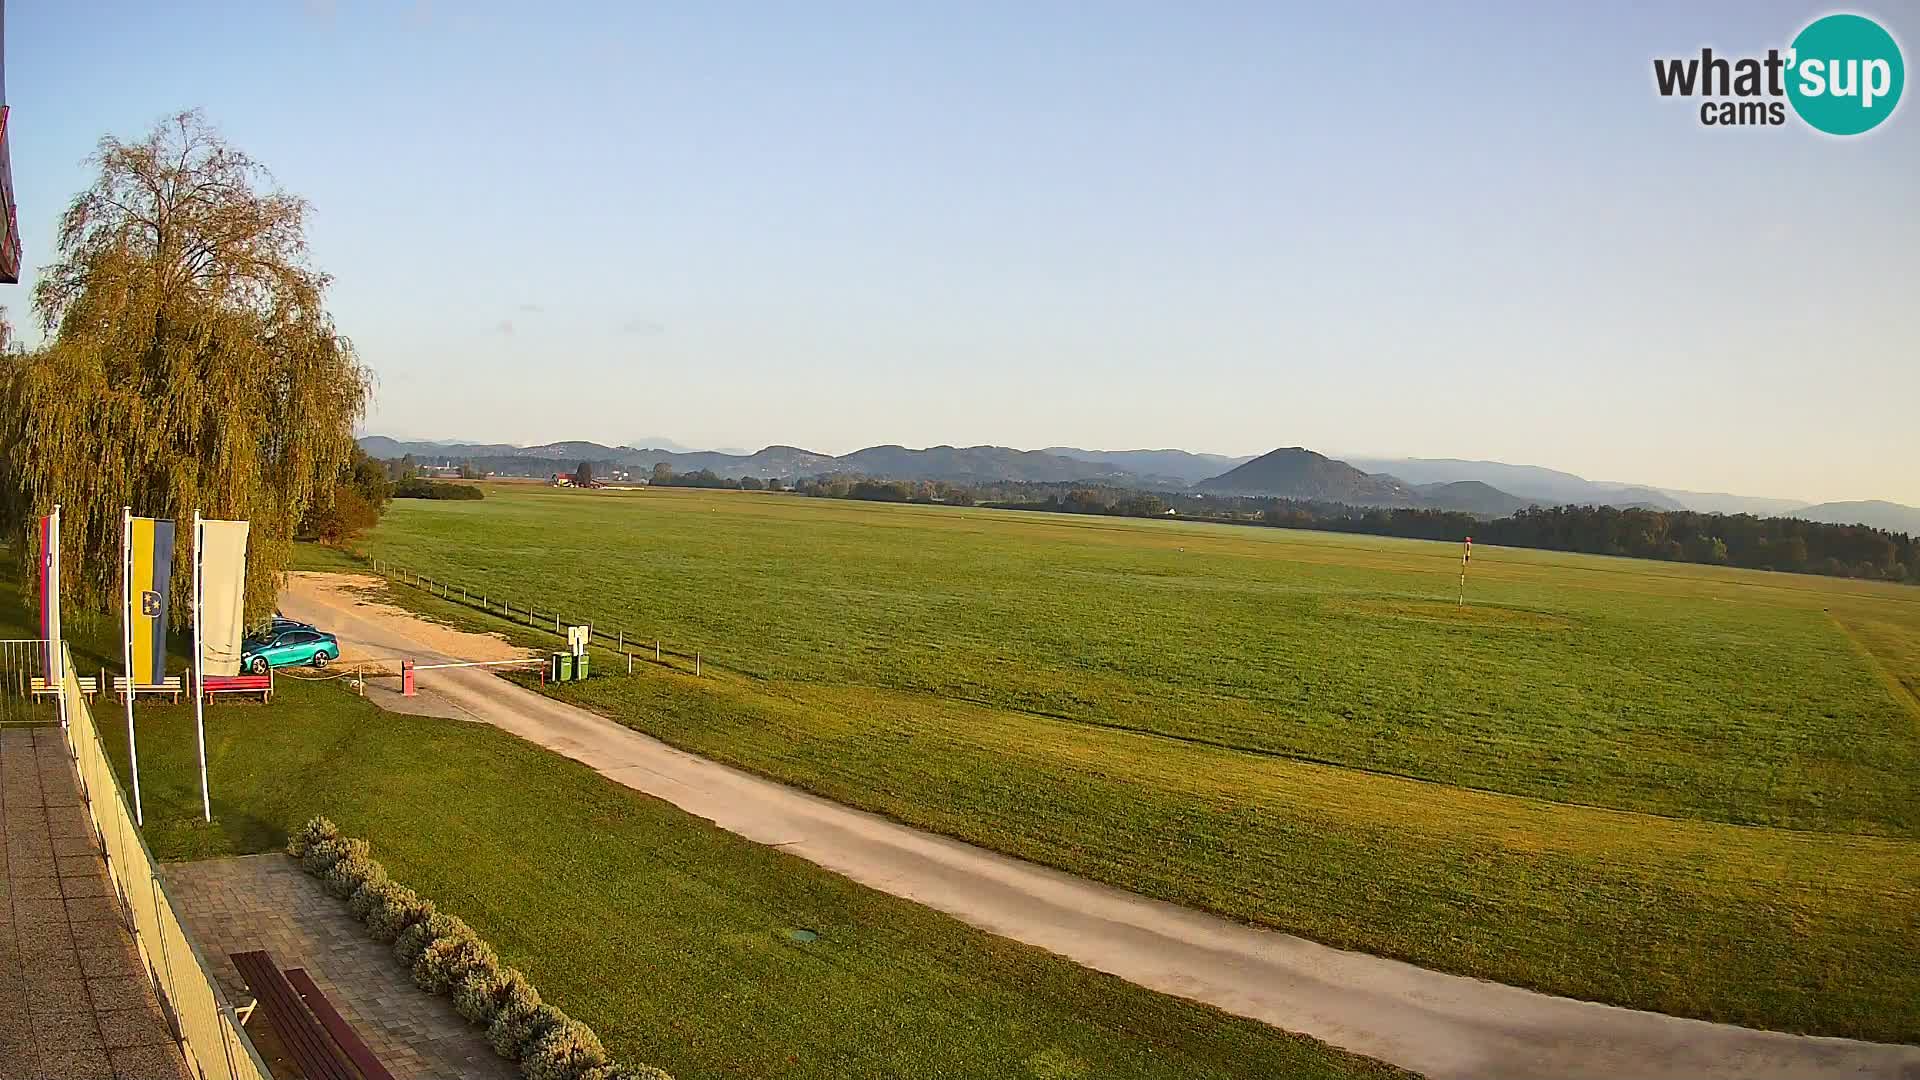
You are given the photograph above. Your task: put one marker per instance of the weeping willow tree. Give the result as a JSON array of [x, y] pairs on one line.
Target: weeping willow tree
[[189, 363]]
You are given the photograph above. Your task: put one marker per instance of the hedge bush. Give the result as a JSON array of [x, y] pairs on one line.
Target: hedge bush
[[449, 960], [320, 857], [480, 995], [313, 832], [563, 1052], [445, 956], [371, 895], [348, 874], [398, 909], [413, 941], [515, 1031]]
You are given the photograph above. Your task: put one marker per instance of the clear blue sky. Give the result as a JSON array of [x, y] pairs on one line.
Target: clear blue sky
[[1358, 228]]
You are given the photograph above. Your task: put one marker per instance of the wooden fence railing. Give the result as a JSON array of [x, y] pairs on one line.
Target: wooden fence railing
[[629, 646]]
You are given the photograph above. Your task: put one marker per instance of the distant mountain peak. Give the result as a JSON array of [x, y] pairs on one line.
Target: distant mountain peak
[[1295, 472]]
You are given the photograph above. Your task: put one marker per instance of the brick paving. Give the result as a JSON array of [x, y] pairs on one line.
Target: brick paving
[[266, 902], [75, 1001]]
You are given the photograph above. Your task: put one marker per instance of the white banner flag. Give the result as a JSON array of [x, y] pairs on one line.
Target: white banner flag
[[223, 590]]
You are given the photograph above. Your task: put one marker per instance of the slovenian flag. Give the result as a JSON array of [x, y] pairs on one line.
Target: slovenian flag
[[149, 572]]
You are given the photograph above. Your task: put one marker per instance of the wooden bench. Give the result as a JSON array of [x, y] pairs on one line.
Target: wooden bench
[[88, 686], [240, 684], [169, 686], [343, 1034], [306, 1042]]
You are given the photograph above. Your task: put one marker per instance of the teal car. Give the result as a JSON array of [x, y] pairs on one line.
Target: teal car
[[283, 645]]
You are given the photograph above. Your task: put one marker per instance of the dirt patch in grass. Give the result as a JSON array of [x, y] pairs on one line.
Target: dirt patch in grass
[[366, 595]]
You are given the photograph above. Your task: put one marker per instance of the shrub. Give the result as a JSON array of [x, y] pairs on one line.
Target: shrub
[[316, 829], [346, 875], [477, 995], [370, 895], [445, 956], [514, 1031], [321, 856], [564, 1052], [420, 488], [400, 907], [484, 993], [448, 960], [414, 940]]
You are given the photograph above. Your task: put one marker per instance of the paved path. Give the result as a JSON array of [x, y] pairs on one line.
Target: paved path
[[75, 1002], [1445, 1026], [265, 902]]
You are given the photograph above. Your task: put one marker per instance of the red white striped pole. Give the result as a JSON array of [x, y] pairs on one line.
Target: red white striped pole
[[1466, 556]]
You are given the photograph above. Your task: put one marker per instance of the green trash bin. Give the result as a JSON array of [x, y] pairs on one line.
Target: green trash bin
[[562, 667], [580, 666]]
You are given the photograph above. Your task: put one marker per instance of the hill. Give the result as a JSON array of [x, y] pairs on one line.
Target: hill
[[1180, 465], [1893, 517], [1720, 502], [971, 464], [976, 464], [1530, 482], [1473, 497], [1295, 472]]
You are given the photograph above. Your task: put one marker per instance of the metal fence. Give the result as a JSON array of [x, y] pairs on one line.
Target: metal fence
[[210, 1035], [23, 672], [623, 643]]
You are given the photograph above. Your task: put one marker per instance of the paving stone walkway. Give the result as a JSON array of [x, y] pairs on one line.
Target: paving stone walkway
[[75, 1001], [266, 902]]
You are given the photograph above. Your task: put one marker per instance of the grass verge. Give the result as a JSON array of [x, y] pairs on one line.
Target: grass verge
[[666, 934], [1787, 929]]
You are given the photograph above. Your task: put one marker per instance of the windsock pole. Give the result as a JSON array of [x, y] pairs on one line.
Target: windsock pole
[[1466, 556]]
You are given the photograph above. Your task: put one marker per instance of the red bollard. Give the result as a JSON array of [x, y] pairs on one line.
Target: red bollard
[[406, 678]]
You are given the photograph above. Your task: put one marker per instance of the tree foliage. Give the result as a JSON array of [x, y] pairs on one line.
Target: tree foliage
[[422, 488], [1761, 543], [352, 505], [191, 363]]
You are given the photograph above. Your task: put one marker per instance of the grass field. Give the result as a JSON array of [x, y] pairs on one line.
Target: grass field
[[665, 933], [1672, 787]]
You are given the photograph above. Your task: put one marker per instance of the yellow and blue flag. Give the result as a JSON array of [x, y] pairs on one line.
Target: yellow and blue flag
[[149, 573]]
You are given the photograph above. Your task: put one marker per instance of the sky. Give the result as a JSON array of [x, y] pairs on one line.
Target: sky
[[1382, 229]]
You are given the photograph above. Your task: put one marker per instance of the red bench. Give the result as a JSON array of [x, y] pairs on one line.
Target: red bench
[[349, 1040], [241, 684], [306, 1042]]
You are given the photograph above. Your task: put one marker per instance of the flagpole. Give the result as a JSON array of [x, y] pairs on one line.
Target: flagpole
[[199, 677], [126, 651], [56, 658]]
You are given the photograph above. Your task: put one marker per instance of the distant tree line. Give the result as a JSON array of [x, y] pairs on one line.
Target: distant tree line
[[420, 488], [664, 476], [1743, 540]]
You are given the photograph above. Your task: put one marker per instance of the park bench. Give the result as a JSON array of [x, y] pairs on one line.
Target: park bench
[[88, 686], [344, 1036], [261, 685], [169, 686], [300, 1016]]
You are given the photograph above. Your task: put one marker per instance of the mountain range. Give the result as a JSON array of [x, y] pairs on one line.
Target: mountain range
[[1484, 488]]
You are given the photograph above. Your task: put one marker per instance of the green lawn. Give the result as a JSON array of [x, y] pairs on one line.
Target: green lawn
[[665, 933], [1664, 786]]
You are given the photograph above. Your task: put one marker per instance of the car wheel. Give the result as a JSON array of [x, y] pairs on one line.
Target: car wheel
[[260, 665], [321, 659]]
